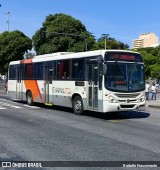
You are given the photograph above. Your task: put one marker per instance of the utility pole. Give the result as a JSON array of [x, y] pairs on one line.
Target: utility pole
[[8, 13], [105, 43], [105, 40]]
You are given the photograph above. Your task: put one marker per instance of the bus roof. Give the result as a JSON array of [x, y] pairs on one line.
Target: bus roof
[[67, 55]]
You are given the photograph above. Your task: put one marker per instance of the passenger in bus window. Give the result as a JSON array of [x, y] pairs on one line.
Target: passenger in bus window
[[65, 76]]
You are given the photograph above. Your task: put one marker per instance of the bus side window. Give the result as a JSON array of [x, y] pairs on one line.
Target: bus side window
[[63, 69], [78, 69], [28, 71], [12, 72], [59, 69], [38, 71]]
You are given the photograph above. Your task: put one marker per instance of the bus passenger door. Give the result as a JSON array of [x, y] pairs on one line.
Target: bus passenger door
[[48, 84], [93, 86], [19, 84]]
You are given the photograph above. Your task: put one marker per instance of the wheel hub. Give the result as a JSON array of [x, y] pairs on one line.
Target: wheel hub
[[78, 105]]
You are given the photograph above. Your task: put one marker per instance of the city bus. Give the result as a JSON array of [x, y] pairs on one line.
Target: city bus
[[100, 81]]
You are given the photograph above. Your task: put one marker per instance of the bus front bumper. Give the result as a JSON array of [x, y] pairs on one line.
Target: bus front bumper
[[116, 107]]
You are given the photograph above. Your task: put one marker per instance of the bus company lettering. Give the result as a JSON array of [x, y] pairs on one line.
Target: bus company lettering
[[58, 90], [67, 90], [61, 90]]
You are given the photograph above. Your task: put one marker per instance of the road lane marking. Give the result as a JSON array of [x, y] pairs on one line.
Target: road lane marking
[[117, 121], [10, 105], [15, 106], [4, 99], [2, 108], [34, 107]]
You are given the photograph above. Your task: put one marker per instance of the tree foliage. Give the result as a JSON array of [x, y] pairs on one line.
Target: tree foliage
[[61, 23], [111, 43], [151, 58], [13, 45]]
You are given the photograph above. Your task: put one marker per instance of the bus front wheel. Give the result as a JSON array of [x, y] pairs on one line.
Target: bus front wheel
[[77, 105], [29, 98]]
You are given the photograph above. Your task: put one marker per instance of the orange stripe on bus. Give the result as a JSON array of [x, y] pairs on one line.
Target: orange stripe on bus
[[26, 61], [32, 85], [39, 93]]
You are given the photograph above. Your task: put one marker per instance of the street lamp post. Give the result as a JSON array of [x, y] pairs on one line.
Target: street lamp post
[[7, 13], [105, 42]]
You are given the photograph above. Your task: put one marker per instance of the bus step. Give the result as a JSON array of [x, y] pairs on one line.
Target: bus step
[[48, 104]]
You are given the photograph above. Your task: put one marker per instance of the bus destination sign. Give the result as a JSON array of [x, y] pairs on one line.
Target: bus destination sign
[[123, 57]]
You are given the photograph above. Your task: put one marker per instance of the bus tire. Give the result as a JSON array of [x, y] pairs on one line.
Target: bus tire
[[29, 98], [77, 105]]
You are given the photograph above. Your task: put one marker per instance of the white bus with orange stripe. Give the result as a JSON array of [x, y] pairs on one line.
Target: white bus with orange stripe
[[102, 80]]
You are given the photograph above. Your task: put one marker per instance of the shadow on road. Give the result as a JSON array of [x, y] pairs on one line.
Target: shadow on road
[[106, 116], [118, 115]]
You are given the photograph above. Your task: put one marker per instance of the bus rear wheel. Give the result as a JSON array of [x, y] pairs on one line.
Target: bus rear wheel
[[29, 98], [77, 105]]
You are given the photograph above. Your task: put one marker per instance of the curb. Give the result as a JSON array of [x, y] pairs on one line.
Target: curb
[[154, 106]]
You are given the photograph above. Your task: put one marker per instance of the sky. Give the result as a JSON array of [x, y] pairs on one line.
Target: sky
[[123, 20]]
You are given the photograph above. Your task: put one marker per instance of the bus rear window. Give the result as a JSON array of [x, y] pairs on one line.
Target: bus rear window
[[12, 72]]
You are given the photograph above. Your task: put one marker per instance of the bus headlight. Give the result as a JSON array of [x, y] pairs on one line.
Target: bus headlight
[[142, 98], [112, 99]]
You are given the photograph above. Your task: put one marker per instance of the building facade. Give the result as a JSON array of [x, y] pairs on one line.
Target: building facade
[[145, 40]]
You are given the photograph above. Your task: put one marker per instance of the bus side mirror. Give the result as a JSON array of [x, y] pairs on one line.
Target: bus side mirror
[[104, 69]]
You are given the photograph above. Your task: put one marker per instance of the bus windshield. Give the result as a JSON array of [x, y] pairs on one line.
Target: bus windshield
[[124, 77]]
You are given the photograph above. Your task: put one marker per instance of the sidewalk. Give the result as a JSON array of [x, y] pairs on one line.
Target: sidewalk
[[153, 103]]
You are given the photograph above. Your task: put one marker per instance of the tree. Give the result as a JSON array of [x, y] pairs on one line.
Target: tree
[[13, 45], [61, 23], [151, 57], [155, 70], [111, 43]]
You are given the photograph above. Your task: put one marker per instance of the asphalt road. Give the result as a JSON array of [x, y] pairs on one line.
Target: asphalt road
[[42, 133]]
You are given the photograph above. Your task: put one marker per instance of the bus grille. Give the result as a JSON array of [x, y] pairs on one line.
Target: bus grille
[[127, 95], [127, 106]]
